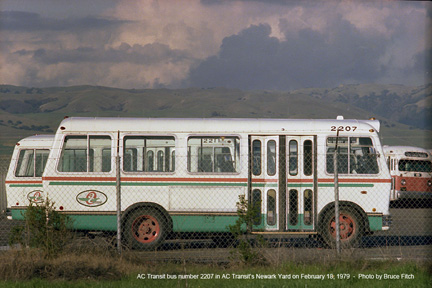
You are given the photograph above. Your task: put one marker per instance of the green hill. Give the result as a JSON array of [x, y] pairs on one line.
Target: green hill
[[404, 111]]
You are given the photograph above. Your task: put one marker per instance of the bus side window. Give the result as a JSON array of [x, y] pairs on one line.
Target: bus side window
[[106, 160], [41, 160], [293, 158], [256, 204], [271, 207], [160, 161], [356, 155], [205, 162], [149, 161], [342, 154], [130, 159], [307, 158], [213, 154], [97, 146], [25, 165], [224, 161], [74, 154], [148, 153], [271, 158], [363, 156], [308, 207], [85, 154], [256, 157]]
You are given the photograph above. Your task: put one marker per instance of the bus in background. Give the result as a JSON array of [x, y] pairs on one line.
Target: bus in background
[[187, 175], [411, 171], [24, 176]]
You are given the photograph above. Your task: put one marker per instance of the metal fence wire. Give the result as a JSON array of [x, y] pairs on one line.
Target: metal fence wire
[[163, 193]]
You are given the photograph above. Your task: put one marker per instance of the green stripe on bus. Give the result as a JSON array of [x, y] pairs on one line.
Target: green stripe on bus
[[346, 185], [82, 183], [330, 185], [183, 184]]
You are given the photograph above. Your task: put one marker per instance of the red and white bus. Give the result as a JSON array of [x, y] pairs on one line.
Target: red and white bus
[[411, 171]]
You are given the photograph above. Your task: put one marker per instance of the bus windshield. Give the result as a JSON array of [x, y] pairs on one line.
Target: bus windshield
[[415, 165]]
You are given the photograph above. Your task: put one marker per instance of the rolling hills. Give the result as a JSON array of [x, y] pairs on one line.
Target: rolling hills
[[404, 111]]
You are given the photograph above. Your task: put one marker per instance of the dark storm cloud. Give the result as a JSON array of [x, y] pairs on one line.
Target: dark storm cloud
[[254, 60], [422, 62], [29, 22], [248, 44]]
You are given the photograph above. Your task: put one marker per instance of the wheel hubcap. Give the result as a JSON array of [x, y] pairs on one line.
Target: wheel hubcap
[[347, 227], [145, 229]]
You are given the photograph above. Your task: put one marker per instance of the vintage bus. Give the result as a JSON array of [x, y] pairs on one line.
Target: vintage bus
[[411, 171], [24, 176], [182, 176]]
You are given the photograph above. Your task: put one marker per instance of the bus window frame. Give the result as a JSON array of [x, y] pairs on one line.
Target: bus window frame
[[88, 135], [34, 156], [154, 172], [380, 169], [237, 170]]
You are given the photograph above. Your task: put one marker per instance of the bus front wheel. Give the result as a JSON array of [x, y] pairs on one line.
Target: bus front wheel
[[350, 226], [145, 229]]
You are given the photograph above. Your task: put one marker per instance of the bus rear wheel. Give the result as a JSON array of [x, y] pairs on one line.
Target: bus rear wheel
[[350, 224], [145, 229]]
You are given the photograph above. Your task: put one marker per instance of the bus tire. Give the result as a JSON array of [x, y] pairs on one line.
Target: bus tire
[[145, 228], [351, 228]]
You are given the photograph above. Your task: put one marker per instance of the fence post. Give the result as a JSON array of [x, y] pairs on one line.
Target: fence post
[[336, 194], [3, 203], [118, 194]]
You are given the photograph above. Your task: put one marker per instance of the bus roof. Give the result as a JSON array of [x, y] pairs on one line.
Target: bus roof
[[37, 141], [401, 150], [209, 125]]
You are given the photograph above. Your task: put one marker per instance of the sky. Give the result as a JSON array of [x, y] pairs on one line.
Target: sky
[[268, 44]]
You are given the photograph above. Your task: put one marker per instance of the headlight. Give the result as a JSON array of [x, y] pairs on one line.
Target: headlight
[[429, 183], [403, 182]]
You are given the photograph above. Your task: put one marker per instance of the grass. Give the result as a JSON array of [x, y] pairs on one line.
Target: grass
[[85, 268]]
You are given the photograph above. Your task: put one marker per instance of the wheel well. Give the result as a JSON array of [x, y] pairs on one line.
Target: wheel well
[[345, 204], [141, 205]]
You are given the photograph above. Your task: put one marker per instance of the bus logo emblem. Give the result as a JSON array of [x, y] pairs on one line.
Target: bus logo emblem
[[35, 197], [91, 198]]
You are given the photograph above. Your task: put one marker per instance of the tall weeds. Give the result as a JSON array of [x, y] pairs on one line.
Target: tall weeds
[[248, 214], [44, 228]]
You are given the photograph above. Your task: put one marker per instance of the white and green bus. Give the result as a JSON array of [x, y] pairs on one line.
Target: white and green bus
[[24, 177], [186, 176]]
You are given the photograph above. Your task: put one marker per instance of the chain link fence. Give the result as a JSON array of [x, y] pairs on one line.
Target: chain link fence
[[197, 197]]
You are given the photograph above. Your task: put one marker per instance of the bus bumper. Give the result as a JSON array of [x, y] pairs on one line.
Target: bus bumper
[[386, 222], [8, 214], [414, 195]]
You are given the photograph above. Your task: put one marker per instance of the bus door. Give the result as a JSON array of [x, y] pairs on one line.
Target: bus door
[[264, 177], [301, 183]]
